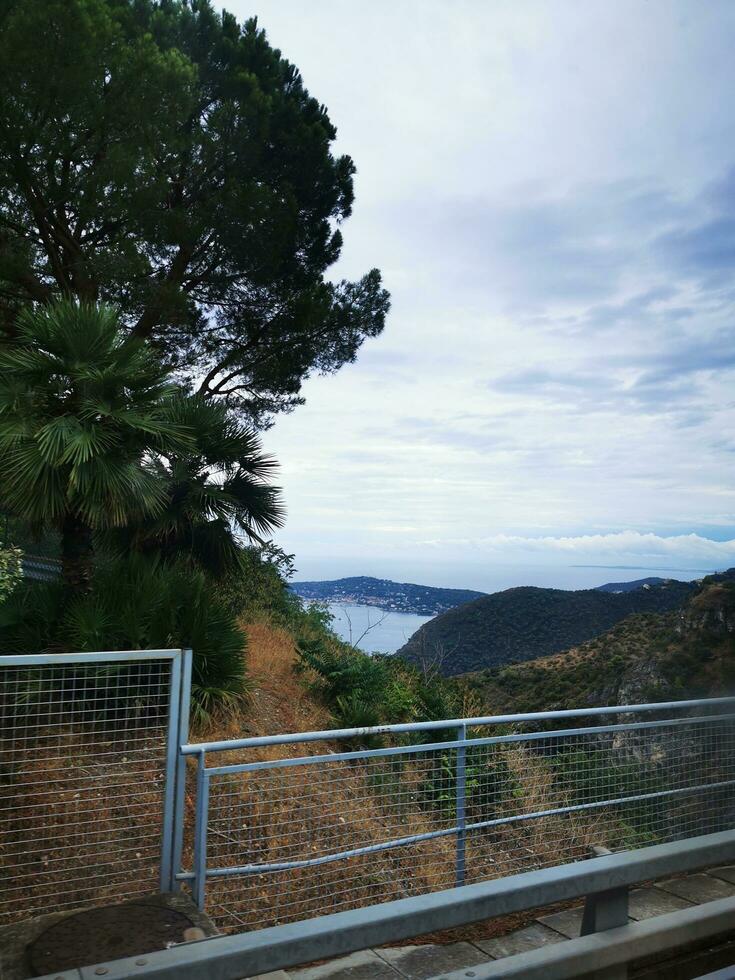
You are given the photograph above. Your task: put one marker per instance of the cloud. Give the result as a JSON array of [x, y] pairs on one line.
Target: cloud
[[618, 546], [554, 213], [628, 549]]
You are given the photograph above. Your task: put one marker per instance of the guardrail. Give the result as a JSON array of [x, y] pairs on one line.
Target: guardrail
[[284, 835], [602, 879]]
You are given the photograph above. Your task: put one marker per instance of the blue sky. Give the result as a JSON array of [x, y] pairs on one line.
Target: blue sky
[[549, 190]]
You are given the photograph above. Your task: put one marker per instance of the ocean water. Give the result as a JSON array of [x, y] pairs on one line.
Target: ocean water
[[365, 627], [373, 630], [488, 576]]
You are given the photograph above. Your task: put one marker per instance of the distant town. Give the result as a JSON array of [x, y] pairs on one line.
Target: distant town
[[403, 597]]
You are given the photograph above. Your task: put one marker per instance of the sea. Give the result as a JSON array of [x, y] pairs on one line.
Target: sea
[[374, 631]]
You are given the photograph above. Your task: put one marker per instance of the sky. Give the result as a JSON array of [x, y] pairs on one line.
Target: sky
[[548, 187]]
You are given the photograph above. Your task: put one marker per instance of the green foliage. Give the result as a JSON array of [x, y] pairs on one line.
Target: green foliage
[[489, 783], [218, 484], [79, 407], [650, 657], [360, 690], [161, 157], [11, 571], [527, 623], [94, 437], [136, 604], [363, 690], [257, 585], [599, 773], [587, 675]]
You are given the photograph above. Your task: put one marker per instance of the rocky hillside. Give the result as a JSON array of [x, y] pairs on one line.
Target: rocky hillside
[[646, 657], [527, 623]]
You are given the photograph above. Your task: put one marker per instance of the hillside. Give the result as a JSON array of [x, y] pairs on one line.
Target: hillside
[[423, 600], [687, 653], [350, 806], [525, 623], [638, 583]]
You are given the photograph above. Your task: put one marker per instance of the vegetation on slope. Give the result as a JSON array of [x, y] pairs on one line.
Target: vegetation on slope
[[302, 677], [145, 485], [646, 657], [343, 804], [170, 301], [526, 623]]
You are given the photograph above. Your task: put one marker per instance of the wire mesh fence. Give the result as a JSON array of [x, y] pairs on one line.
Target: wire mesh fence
[[85, 745], [286, 836], [41, 553]]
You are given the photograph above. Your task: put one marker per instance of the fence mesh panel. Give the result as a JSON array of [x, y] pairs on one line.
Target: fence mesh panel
[[82, 777], [325, 835]]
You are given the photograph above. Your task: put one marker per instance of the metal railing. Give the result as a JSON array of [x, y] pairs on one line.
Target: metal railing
[[88, 752], [285, 833], [41, 554], [603, 880]]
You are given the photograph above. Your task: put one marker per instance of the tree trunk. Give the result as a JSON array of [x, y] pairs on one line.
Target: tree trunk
[[77, 552]]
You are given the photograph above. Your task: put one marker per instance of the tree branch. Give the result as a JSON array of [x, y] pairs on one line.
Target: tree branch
[[151, 316]]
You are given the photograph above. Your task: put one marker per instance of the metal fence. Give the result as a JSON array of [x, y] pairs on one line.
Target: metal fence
[[288, 828], [41, 553], [608, 938], [88, 747]]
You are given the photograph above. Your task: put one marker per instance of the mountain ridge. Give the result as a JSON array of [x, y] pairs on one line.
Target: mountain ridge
[[528, 622], [680, 654], [409, 597]]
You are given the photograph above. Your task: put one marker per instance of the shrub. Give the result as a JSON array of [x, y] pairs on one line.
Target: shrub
[[489, 782], [136, 604], [11, 570], [258, 585], [602, 773], [362, 690]]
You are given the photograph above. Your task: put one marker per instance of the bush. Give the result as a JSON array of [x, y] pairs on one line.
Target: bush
[[363, 691], [11, 570], [489, 783], [603, 773], [258, 585], [136, 604]]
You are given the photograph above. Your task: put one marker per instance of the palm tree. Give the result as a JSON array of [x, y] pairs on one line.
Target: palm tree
[[83, 409], [213, 490]]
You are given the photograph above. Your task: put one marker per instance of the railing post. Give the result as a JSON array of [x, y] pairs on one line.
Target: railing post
[[166, 870], [461, 803], [200, 832], [606, 910], [179, 806]]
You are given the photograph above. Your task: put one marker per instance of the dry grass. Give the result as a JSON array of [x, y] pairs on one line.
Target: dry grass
[[308, 812], [274, 815], [79, 826], [279, 701]]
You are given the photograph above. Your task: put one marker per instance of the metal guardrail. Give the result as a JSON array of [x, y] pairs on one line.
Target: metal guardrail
[[41, 568], [606, 954], [282, 836], [281, 947], [318, 843]]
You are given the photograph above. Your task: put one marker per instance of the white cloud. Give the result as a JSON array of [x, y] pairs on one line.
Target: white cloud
[[619, 546], [548, 189]]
